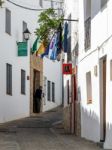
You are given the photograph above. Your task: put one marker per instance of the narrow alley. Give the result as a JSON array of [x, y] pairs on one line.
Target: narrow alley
[[42, 132]]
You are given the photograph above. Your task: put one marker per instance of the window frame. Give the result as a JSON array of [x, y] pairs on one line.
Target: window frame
[[8, 79], [53, 92], [23, 82], [49, 90], [89, 87], [87, 25], [8, 21]]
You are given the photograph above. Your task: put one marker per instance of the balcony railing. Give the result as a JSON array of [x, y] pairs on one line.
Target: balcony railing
[[87, 33]]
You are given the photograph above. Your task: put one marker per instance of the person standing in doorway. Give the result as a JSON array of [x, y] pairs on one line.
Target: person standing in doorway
[[38, 98]]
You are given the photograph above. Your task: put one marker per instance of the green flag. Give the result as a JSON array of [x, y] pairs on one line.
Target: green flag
[[34, 48], [36, 45]]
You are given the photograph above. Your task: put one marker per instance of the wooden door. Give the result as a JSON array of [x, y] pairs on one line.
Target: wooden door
[[102, 99], [36, 84]]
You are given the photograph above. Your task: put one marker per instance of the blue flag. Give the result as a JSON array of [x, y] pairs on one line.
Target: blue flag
[[65, 44], [59, 39], [53, 48]]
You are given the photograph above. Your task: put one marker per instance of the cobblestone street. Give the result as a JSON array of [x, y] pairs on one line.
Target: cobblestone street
[[40, 133]]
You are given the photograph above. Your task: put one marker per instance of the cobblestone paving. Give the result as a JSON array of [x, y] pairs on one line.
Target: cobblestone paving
[[39, 133]]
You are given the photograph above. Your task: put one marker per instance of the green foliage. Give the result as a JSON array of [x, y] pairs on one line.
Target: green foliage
[[1, 2], [48, 24]]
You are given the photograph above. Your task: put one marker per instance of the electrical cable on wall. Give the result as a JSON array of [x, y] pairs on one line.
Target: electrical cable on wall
[[28, 8]]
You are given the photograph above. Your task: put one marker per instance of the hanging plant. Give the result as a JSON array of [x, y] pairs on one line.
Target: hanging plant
[[1, 2], [48, 23]]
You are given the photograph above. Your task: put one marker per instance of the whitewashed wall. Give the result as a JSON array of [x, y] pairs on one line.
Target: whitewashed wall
[[70, 8], [101, 46], [53, 72], [17, 105]]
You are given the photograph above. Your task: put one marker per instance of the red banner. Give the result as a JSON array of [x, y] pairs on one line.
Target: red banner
[[67, 69]]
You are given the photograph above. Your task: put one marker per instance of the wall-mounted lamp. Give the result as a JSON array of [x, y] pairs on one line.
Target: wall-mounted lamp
[[26, 34]]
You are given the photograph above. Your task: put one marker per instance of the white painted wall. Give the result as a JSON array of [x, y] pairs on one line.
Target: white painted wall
[[101, 40], [53, 72], [17, 105], [70, 7]]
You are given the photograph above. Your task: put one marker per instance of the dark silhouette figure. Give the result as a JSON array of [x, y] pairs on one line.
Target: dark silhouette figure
[[38, 97]]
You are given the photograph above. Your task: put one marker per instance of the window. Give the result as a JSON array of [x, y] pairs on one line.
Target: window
[[48, 91], [53, 92], [87, 24], [23, 81], [41, 3], [103, 3], [89, 87], [87, 33], [24, 28], [9, 79], [8, 22]]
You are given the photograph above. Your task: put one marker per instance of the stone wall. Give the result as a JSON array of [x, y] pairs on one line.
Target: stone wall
[[36, 63], [67, 119], [77, 119]]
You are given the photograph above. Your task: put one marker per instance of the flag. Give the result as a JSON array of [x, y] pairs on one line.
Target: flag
[[53, 47], [46, 52], [36, 45], [40, 50], [34, 48], [59, 39], [65, 42]]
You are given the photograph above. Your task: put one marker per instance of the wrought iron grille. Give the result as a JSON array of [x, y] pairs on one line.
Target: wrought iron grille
[[87, 33]]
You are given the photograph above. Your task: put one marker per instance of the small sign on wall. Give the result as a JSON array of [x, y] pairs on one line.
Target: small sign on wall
[[22, 48], [67, 69]]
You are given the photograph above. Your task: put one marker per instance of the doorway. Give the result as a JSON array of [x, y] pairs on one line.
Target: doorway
[[36, 84], [68, 92], [103, 62], [73, 107]]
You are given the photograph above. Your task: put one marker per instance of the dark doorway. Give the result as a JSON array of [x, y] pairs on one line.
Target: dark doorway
[[73, 108], [68, 91], [103, 98], [36, 84]]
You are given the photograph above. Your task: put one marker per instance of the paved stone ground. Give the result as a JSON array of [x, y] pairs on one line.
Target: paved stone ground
[[40, 133]]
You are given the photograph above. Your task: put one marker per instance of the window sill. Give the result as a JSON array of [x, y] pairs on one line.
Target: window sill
[[9, 34], [23, 93], [8, 94], [87, 49]]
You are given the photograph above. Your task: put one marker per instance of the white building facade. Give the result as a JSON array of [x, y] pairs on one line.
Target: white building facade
[[71, 17], [52, 84], [13, 102], [95, 70], [15, 16], [52, 74]]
